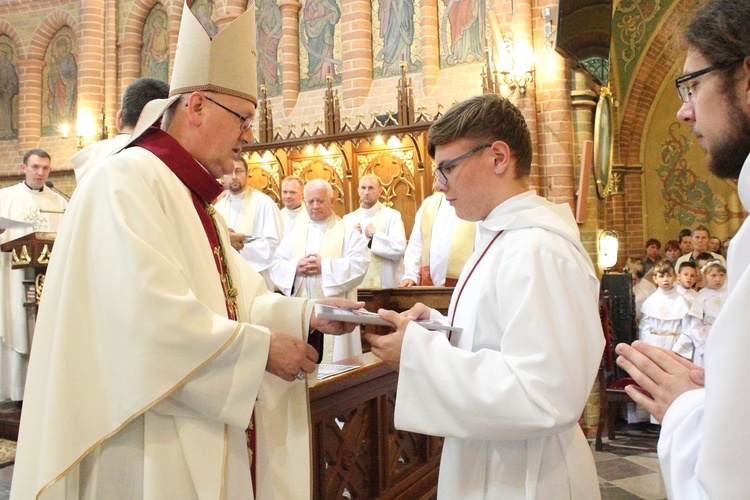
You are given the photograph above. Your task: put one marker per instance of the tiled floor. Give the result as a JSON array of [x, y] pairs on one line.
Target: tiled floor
[[627, 470]]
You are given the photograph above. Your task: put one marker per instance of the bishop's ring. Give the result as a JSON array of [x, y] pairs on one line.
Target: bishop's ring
[[300, 375]]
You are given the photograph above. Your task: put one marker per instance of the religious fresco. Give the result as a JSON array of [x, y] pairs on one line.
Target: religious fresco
[[396, 37], [464, 30], [204, 11], [633, 23], [8, 89], [268, 35], [320, 43], [155, 51], [60, 83], [686, 196]]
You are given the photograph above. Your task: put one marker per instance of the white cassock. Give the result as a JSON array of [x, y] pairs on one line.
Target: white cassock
[[664, 316], [344, 261], [94, 154], [440, 243], [291, 217], [19, 202], [703, 313], [140, 386], [253, 213], [704, 439], [508, 391], [642, 290], [689, 293], [387, 246]]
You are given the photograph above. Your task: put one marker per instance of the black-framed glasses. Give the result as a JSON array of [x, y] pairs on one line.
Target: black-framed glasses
[[246, 121], [447, 166]]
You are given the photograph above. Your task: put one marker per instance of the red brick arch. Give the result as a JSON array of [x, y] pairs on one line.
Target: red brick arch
[[7, 30], [46, 31], [137, 17]]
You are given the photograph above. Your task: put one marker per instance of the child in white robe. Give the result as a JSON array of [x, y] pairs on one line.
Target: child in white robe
[[703, 312], [664, 313], [687, 276]]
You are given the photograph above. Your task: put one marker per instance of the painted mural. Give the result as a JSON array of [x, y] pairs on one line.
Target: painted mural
[[204, 12], [268, 34], [463, 28], [395, 37], [8, 89], [60, 82], [155, 51], [320, 43]]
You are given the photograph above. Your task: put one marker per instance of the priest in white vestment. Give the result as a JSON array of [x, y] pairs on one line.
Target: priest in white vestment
[[704, 439], [253, 219], [323, 259], [439, 245], [292, 197], [384, 230], [156, 344], [507, 392], [41, 208], [135, 97]]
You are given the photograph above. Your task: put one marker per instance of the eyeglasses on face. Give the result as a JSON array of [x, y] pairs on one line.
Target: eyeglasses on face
[[446, 167], [246, 122], [685, 89]]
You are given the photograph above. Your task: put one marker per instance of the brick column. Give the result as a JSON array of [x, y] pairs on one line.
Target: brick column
[[289, 48], [91, 90], [111, 90], [30, 103], [430, 45], [356, 38]]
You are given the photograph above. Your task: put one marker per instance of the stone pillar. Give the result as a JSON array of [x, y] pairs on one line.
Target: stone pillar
[[289, 49], [30, 103], [112, 92], [356, 48], [430, 45]]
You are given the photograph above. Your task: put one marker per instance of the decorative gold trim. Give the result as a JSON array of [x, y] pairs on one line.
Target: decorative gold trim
[[39, 286], [142, 411], [45, 255]]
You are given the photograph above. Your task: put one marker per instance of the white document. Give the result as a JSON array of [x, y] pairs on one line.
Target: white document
[[13, 224]]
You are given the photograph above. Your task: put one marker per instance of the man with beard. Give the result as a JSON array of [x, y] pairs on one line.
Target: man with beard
[[704, 441], [254, 221]]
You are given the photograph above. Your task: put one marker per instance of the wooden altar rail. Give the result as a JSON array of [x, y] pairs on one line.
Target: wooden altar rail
[[357, 452]]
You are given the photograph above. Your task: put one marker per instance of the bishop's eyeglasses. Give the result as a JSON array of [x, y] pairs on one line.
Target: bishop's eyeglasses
[[246, 122]]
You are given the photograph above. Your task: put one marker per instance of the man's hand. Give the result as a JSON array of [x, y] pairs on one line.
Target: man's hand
[[370, 230], [662, 373], [418, 312], [288, 356], [335, 327], [388, 347], [236, 239], [309, 265], [407, 283]]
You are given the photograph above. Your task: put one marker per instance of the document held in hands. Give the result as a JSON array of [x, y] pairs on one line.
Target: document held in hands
[[363, 317], [10, 223]]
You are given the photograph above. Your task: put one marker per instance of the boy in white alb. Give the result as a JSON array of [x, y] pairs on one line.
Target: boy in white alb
[[687, 276], [703, 312], [664, 313]]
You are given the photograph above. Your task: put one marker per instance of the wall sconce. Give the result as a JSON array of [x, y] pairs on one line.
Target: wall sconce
[[511, 75], [65, 130], [85, 128], [608, 246]]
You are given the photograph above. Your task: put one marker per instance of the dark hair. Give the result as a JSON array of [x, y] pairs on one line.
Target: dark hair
[[653, 241], [685, 232], [672, 245], [241, 159], [704, 256], [719, 32], [39, 152], [137, 94], [486, 117], [687, 263]]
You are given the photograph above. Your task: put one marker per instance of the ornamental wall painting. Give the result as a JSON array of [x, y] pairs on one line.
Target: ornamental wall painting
[[396, 37], [155, 51], [60, 83], [320, 43], [464, 29], [268, 35], [8, 89], [205, 12]]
